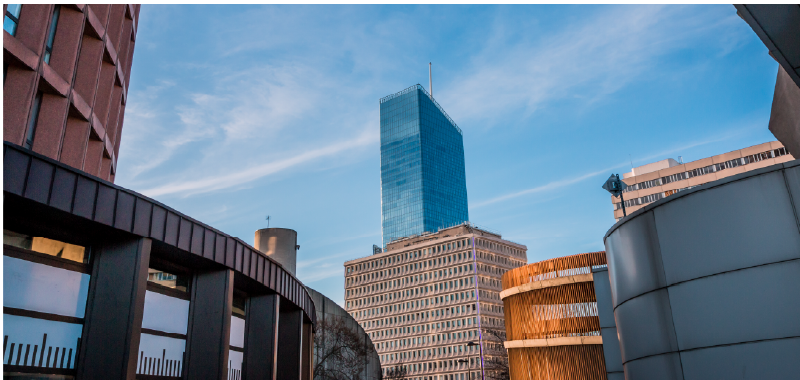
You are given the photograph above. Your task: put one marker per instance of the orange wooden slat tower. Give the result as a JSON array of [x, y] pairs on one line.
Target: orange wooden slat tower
[[551, 319]]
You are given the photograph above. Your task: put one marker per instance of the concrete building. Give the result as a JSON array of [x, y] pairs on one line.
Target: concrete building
[[654, 181], [426, 297], [423, 178], [552, 323], [66, 70], [704, 283]]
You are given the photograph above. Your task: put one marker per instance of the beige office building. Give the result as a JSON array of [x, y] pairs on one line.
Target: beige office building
[[651, 182], [426, 297]]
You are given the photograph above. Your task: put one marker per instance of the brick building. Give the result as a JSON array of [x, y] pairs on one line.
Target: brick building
[[65, 80]]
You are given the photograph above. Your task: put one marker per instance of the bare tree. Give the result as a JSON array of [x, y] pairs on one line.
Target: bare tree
[[398, 372], [496, 363], [340, 352]]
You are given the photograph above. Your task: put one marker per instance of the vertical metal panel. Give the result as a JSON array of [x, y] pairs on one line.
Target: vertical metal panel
[[658, 367], [290, 330], [208, 243], [208, 340], [171, 230], [63, 190], [198, 232], [771, 359], [141, 217], [230, 251], [106, 204], [732, 245], [730, 308], [634, 259], [246, 261], [237, 264], [184, 234], [124, 214], [40, 177], [114, 311], [645, 327], [260, 273], [219, 250], [15, 170], [261, 338], [84, 197], [158, 227]]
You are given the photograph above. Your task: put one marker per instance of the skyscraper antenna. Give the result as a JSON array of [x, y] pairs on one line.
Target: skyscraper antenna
[[430, 79]]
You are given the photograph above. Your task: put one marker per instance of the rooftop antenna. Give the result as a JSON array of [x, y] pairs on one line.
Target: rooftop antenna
[[631, 158], [430, 79], [267, 221]]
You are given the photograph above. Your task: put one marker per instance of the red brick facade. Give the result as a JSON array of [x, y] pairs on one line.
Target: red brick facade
[[81, 92]]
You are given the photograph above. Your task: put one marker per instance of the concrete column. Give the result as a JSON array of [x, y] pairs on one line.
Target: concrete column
[[261, 338], [290, 343], [114, 310], [209, 330]]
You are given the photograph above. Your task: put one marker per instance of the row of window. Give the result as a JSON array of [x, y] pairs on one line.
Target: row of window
[[384, 310], [380, 263], [708, 169], [10, 23], [446, 260], [428, 339], [456, 283]]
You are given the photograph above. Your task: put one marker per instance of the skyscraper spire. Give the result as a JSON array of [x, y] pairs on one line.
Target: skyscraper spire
[[430, 80]]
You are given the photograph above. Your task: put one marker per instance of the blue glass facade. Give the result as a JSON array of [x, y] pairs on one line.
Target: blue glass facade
[[423, 180]]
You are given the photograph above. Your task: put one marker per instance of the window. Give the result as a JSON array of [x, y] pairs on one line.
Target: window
[[239, 304], [48, 49], [37, 103], [47, 246], [12, 18], [169, 280]]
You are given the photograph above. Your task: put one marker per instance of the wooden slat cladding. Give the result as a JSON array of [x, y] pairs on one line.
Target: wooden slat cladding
[[557, 363], [558, 267], [560, 311]]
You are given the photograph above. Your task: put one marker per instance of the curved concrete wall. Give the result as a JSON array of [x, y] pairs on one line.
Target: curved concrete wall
[[705, 284], [327, 309], [279, 244]]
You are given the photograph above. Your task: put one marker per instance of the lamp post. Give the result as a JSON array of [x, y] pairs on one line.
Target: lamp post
[[615, 186], [470, 344]]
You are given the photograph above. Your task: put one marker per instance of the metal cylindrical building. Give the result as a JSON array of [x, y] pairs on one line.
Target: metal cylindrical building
[[280, 244], [551, 319]]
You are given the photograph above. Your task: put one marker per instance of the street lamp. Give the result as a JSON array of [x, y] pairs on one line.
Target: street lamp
[[615, 186], [470, 344]]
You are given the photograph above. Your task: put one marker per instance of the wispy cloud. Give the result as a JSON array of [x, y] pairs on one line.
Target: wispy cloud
[[589, 58], [608, 170], [212, 183]]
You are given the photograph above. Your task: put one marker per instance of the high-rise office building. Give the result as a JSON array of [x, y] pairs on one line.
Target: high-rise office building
[[65, 80], [423, 181], [430, 303], [651, 182]]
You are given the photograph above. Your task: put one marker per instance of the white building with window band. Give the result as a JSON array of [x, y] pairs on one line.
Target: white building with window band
[[651, 182], [425, 298]]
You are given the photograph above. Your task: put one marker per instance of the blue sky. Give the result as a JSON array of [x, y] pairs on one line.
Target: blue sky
[[238, 112]]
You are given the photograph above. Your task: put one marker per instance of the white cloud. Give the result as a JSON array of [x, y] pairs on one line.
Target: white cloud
[[218, 182], [588, 58]]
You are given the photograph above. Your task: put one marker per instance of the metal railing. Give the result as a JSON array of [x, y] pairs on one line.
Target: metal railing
[[419, 87]]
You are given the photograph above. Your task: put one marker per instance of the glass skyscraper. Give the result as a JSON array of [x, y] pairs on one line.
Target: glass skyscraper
[[423, 181]]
